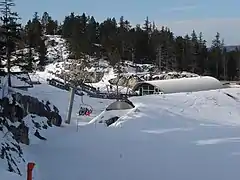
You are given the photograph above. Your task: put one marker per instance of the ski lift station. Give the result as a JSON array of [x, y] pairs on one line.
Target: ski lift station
[[193, 84]]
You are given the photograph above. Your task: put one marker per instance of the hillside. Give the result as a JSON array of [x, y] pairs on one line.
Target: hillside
[[98, 72], [23, 121], [71, 101], [168, 133], [162, 131]]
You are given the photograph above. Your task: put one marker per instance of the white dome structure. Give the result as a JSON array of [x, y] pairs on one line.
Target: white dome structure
[[119, 105], [193, 84]]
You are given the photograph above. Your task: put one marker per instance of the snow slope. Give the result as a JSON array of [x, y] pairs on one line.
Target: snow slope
[[171, 137], [58, 57], [180, 136], [60, 98]]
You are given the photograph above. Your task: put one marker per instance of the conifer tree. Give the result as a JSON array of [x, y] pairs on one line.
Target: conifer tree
[[10, 33]]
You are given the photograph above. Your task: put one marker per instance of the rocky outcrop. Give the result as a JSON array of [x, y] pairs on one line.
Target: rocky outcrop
[[32, 105], [132, 80], [6, 153], [76, 75], [10, 149], [20, 133], [19, 120], [126, 81]]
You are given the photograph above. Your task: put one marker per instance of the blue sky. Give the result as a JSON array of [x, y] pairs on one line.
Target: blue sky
[[208, 16]]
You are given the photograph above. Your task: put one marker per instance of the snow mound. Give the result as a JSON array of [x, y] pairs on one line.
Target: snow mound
[[114, 117]]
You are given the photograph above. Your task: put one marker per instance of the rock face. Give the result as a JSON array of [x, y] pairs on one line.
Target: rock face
[[10, 149], [20, 133], [17, 114], [126, 81], [21, 106], [76, 72], [32, 105]]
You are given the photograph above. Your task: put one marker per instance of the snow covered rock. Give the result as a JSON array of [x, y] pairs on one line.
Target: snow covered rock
[[23, 120], [11, 151], [32, 105], [125, 80]]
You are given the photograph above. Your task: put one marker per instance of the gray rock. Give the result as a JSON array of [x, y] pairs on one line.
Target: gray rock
[[32, 105]]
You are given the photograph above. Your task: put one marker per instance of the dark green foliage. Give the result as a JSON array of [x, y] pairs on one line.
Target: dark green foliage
[[147, 44], [10, 37], [118, 41]]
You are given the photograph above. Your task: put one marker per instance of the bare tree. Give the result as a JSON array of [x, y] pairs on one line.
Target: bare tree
[[115, 60]]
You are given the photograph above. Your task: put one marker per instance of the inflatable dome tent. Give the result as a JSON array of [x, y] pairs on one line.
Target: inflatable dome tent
[[168, 86], [120, 105]]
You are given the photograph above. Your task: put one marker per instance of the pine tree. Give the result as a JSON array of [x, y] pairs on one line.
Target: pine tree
[[194, 50], [30, 44], [29, 66], [42, 50], [147, 25], [232, 65], [202, 56], [123, 35], [180, 53], [37, 30], [68, 25], [116, 41], [216, 55], [146, 36], [49, 26], [11, 32], [44, 21], [108, 37], [92, 35]]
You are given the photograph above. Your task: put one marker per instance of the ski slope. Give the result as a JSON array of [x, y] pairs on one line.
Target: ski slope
[[179, 136], [166, 137]]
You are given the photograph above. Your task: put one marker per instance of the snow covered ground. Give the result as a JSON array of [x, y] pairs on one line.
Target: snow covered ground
[[179, 136], [166, 137]]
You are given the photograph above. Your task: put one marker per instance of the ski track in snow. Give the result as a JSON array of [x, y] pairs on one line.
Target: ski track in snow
[[163, 131], [218, 141]]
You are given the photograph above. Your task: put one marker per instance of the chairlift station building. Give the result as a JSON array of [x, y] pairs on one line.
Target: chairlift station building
[[193, 84]]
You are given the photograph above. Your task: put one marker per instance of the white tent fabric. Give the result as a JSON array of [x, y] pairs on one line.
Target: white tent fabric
[[201, 83], [119, 105]]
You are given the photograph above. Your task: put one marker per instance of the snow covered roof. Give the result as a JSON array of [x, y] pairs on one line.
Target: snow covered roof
[[201, 83]]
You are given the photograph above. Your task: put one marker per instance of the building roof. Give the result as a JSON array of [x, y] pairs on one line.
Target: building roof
[[201, 83]]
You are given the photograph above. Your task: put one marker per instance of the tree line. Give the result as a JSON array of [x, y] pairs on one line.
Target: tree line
[[116, 41]]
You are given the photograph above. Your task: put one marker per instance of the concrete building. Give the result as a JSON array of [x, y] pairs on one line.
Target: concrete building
[[193, 84]]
